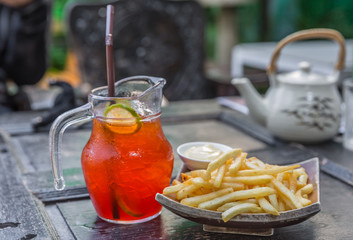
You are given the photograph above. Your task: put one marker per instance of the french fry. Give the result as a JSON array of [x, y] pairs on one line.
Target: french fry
[[234, 196], [196, 184], [302, 177], [234, 185], [281, 206], [304, 191], [307, 189], [202, 190], [270, 171], [249, 200], [258, 162], [254, 163], [195, 201], [304, 201], [221, 160], [288, 205], [226, 206], [186, 191], [197, 173], [176, 182], [285, 183], [292, 183], [299, 171], [266, 206], [273, 198], [256, 210], [287, 193], [236, 164], [251, 180], [185, 177], [236, 210], [273, 201], [199, 181], [219, 177], [177, 186], [302, 180], [173, 188], [280, 176]]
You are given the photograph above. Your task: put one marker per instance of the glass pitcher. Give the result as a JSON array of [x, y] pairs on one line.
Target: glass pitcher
[[127, 159]]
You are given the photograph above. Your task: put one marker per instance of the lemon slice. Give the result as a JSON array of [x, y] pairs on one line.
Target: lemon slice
[[117, 200], [122, 119], [128, 210]]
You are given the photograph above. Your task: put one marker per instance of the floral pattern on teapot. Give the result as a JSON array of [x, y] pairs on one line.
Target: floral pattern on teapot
[[318, 113]]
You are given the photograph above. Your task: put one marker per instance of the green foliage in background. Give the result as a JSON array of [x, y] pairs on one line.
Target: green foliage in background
[[58, 47], [283, 17], [249, 22], [336, 14], [58, 9], [211, 15], [58, 50]]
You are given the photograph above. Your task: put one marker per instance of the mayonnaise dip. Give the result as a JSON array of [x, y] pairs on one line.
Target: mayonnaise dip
[[203, 152]]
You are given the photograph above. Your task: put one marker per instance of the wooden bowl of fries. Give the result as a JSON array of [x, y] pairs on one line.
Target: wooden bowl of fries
[[194, 163], [245, 195]]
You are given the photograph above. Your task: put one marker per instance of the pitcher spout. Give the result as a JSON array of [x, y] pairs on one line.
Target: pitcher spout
[[254, 101]]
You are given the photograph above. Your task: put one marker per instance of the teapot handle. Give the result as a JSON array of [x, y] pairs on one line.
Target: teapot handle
[[308, 34]]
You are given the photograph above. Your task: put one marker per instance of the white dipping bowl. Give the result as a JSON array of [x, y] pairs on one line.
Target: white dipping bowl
[[194, 164]]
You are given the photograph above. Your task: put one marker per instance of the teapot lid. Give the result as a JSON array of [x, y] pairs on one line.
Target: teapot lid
[[305, 76]]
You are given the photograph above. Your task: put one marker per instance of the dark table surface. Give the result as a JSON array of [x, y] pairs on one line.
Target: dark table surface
[[30, 208]]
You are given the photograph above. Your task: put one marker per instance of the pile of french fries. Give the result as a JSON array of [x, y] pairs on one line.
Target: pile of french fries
[[234, 184]]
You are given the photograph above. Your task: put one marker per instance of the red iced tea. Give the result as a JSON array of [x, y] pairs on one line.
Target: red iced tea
[[125, 166]]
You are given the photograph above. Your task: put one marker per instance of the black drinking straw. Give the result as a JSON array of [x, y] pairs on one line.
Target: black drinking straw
[[109, 50], [110, 79]]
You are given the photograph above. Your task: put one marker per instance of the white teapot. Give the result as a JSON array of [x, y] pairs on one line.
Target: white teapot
[[299, 106]]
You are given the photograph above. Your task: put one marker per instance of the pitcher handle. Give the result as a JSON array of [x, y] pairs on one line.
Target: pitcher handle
[[57, 129], [309, 34]]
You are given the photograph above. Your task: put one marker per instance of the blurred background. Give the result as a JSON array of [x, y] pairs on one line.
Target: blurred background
[[254, 21]]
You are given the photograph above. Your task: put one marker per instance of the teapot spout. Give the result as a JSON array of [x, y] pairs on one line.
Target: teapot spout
[[254, 101]]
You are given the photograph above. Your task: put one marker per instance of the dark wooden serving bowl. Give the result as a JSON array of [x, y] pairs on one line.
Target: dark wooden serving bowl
[[258, 221]]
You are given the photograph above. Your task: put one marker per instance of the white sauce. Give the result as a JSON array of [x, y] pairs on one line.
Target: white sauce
[[204, 152]]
